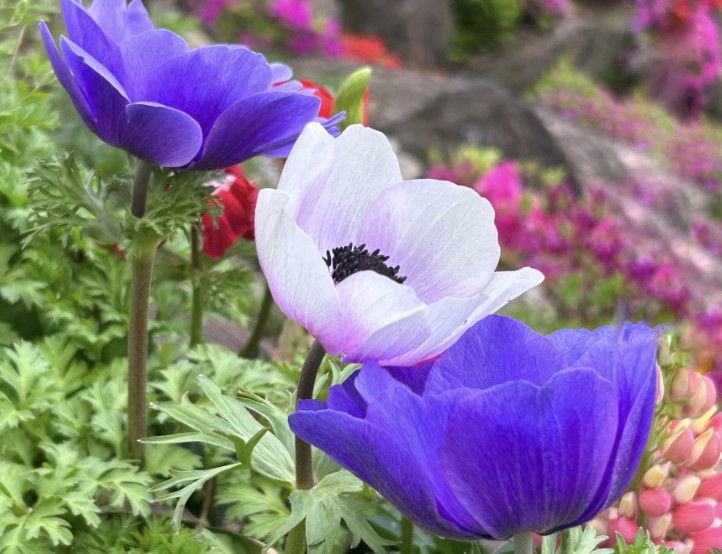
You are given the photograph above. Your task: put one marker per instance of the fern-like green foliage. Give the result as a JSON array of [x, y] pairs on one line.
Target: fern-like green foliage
[[61, 449], [580, 540], [482, 24]]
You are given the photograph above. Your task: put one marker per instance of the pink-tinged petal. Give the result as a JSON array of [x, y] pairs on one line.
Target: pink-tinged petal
[[136, 59], [207, 81], [370, 301], [441, 235], [307, 169], [655, 502], [706, 540], [84, 31], [427, 333], [625, 527], [161, 135], [711, 487], [255, 125], [298, 277], [363, 167], [120, 21], [62, 71], [693, 516], [541, 448]]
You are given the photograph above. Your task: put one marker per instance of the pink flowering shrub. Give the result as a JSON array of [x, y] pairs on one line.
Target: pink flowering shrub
[[288, 25], [685, 37], [291, 26], [677, 495], [690, 149]]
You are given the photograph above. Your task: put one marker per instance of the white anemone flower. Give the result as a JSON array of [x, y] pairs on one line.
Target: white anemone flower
[[375, 267]]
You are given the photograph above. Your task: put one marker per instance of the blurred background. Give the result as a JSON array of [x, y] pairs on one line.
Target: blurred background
[[594, 127]]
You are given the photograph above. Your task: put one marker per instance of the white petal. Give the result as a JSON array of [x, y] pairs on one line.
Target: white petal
[[297, 276], [370, 301], [306, 170], [427, 333], [363, 167], [440, 234]]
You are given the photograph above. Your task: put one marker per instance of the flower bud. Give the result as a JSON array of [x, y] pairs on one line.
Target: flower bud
[[693, 517], [711, 487], [628, 505], [599, 525], [655, 502], [686, 488], [684, 385], [660, 385], [658, 526], [680, 444], [625, 527], [702, 423], [700, 401], [655, 476], [707, 449], [716, 422]]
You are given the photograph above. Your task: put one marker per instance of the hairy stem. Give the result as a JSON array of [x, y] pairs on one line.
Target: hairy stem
[[142, 254], [407, 536], [523, 544], [142, 272], [250, 350], [296, 541], [197, 284], [140, 189]]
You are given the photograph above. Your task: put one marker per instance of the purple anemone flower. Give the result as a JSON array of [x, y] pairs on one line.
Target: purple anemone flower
[[142, 89], [373, 266], [507, 432]]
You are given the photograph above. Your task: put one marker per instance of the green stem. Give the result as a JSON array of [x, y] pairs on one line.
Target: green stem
[[197, 284], [306, 383], [140, 189], [142, 254], [523, 544], [296, 541], [250, 350], [407, 536], [142, 272]]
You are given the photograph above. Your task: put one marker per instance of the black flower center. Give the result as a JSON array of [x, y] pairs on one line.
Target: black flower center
[[344, 261]]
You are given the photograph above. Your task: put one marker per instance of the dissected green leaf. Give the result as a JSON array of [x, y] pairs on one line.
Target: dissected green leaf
[[193, 481]]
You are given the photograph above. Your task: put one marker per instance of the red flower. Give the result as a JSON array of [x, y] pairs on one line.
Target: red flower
[[237, 197], [327, 99], [368, 49]]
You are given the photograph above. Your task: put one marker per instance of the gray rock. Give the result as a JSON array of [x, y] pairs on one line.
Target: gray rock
[[595, 41], [418, 31], [424, 111]]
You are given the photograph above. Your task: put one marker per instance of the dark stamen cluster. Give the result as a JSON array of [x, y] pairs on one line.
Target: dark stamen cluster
[[344, 261]]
